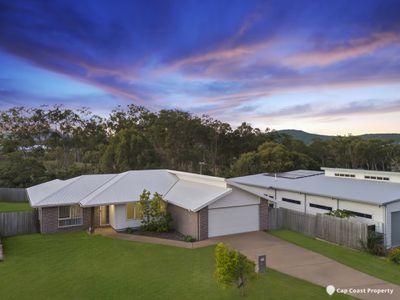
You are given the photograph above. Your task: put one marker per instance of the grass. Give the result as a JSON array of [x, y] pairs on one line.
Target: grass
[[79, 266], [359, 260], [14, 206]]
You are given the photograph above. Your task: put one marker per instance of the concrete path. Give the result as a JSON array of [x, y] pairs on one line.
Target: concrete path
[[307, 265]]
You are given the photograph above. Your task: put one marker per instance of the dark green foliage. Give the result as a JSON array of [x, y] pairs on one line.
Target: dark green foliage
[[62, 143], [374, 244], [394, 255], [128, 150], [271, 157], [17, 171]]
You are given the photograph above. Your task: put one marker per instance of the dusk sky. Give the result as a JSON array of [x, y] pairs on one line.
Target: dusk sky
[[328, 67]]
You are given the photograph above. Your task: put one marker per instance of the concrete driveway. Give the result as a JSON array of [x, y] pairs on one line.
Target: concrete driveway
[[307, 265]]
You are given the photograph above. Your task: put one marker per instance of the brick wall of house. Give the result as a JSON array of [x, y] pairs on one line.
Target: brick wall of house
[[96, 221], [49, 221], [203, 224], [263, 214], [183, 221]]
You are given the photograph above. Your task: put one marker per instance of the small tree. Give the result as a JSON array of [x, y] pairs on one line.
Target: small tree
[[154, 212], [232, 267], [160, 218], [144, 208]]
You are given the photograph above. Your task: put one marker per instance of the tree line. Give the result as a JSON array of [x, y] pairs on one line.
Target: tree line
[[42, 143]]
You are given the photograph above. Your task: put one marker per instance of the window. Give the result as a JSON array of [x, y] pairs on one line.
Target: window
[[320, 206], [132, 212], [291, 201], [377, 178], [70, 216], [358, 214], [345, 175], [269, 196]]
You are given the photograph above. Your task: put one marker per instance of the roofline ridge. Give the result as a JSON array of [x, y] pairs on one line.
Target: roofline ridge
[[75, 179], [105, 183]]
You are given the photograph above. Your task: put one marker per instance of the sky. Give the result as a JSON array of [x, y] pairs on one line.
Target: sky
[[329, 67]]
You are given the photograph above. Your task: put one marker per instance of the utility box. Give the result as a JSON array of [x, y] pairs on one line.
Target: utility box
[[261, 263]]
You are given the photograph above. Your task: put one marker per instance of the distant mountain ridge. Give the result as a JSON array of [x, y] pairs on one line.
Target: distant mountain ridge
[[307, 137]]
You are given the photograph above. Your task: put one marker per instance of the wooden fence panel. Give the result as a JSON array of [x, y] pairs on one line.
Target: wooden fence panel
[[336, 230], [14, 223], [13, 195]]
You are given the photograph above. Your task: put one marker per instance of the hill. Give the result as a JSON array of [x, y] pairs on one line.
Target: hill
[[307, 137]]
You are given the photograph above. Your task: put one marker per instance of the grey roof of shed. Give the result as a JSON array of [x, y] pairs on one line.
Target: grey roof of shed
[[366, 191]]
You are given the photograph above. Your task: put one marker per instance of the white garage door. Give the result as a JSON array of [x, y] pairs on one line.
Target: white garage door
[[224, 221]]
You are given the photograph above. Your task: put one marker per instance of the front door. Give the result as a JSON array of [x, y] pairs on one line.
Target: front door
[[104, 215]]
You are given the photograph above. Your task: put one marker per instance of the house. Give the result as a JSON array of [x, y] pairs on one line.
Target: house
[[201, 206], [373, 197]]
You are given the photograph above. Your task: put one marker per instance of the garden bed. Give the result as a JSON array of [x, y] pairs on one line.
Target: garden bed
[[170, 235]]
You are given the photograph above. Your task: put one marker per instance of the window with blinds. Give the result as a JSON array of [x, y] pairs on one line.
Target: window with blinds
[[70, 216]]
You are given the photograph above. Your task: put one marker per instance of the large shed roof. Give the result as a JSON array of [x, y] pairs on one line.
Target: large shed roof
[[366, 191]]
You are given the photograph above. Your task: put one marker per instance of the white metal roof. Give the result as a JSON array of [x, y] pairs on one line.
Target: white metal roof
[[190, 191], [128, 186], [194, 196], [42, 191], [373, 192], [70, 191]]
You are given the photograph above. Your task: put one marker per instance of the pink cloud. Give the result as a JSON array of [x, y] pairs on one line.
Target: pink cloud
[[348, 50]]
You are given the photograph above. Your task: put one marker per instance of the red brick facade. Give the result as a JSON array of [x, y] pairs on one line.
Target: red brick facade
[[49, 220]]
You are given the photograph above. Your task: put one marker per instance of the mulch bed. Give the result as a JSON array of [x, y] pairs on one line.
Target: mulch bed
[[172, 235]]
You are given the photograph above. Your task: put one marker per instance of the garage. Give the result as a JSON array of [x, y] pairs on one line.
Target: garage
[[395, 225], [230, 220]]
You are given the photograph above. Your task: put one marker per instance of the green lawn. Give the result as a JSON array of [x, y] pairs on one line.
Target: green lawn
[[79, 266], [359, 260], [14, 206]]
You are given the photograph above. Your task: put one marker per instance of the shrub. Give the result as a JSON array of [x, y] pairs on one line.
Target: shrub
[[339, 213], [129, 230], [154, 213], [189, 239], [374, 244], [394, 255], [232, 267]]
